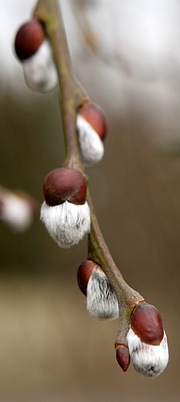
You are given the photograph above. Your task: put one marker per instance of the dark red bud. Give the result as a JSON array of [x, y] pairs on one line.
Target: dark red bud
[[84, 272], [95, 116], [146, 322], [122, 356], [28, 39], [64, 184]]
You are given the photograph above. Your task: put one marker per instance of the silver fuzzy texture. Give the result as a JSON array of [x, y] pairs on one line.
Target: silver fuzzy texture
[[150, 360], [92, 148], [101, 299], [39, 70], [66, 223], [16, 212]]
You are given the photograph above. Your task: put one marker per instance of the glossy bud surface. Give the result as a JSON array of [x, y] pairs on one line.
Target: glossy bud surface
[[65, 184], [122, 356], [28, 39], [84, 273], [146, 323], [95, 116]]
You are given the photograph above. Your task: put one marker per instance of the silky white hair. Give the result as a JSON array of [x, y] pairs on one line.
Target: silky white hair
[[101, 299], [91, 145], [39, 70], [16, 212], [150, 360], [66, 223]]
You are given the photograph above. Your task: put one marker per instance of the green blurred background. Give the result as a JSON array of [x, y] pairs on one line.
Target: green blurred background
[[50, 349]]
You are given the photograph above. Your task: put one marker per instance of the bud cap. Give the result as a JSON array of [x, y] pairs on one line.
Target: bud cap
[[146, 322], [28, 39], [122, 356], [94, 115], [84, 272], [65, 184]]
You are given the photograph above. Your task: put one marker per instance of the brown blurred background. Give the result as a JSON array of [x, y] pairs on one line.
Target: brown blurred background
[[50, 349]]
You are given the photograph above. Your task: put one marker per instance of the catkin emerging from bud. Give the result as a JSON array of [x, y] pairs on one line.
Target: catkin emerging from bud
[[92, 148], [39, 71], [101, 299], [66, 223], [34, 52], [65, 211], [147, 341], [91, 127]]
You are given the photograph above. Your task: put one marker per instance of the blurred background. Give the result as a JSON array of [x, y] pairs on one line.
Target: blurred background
[[126, 55]]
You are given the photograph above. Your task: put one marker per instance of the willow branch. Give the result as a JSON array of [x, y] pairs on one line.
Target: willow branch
[[72, 97]]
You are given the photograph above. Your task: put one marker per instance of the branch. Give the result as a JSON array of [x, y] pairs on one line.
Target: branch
[[136, 318], [72, 97]]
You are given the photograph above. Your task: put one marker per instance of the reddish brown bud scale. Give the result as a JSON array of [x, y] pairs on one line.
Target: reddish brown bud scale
[[28, 39], [122, 356], [146, 322], [84, 273], [65, 184], [95, 116]]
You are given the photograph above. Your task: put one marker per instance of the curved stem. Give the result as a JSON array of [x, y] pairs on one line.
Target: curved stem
[[99, 252], [72, 97]]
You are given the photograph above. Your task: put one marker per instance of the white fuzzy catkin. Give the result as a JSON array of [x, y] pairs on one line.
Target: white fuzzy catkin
[[92, 148], [66, 223], [16, 212], [101, 299], [39, 70], [150, 360]]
